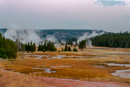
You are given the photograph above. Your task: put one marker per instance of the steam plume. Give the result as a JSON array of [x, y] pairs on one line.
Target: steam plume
[[86, 36], [23, 35], [51, 38]]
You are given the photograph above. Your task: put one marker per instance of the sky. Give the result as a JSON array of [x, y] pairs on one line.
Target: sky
[[108, 15]]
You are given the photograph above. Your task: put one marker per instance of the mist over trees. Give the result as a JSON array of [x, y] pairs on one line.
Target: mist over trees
[[121, 40], [70, 41], [47, 46], [8, 48]]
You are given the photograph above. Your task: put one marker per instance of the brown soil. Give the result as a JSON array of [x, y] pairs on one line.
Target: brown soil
[[55, 82]]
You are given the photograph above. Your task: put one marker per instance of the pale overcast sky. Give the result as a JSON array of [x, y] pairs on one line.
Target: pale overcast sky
[[108, 15]]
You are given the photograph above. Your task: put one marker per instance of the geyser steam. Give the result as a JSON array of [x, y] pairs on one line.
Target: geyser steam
[[86, 36], [51, 38], [23, 35]]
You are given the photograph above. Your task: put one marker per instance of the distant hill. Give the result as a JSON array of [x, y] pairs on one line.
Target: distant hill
[[60, 34]]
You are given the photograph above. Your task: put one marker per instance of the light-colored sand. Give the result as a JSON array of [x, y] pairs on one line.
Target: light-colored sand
[[122, 73]]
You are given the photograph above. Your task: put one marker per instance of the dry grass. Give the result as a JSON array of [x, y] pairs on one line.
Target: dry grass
[[81, 68], [10, 79]]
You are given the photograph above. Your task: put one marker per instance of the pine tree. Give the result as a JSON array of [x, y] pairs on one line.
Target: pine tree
[[48, 46], [30, 47], [112, 40], [62, 49], [8, 48], [82, 44], [75, 50], [40, 47], [69, 48], [66, 48]]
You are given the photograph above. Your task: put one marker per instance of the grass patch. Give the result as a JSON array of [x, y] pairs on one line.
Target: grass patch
[[80, 68], [10, 79]]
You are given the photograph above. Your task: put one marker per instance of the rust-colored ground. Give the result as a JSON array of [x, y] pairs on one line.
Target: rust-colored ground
[[54, 82], [13, 79]]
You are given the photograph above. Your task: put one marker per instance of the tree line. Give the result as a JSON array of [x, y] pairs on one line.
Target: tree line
[[29, 47], [121, 40], [68, 48], [47, 46], [8, 48]]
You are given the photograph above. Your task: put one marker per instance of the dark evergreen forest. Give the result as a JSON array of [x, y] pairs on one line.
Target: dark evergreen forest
[[121, 40], [47, 46], [8, 48]]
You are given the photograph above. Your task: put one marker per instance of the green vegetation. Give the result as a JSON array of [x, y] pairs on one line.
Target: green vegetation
[[83, 66], [30, 47], [82, 44], [67, 48], [75, 50], [112, 40], [48, 46], [8, 49]]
